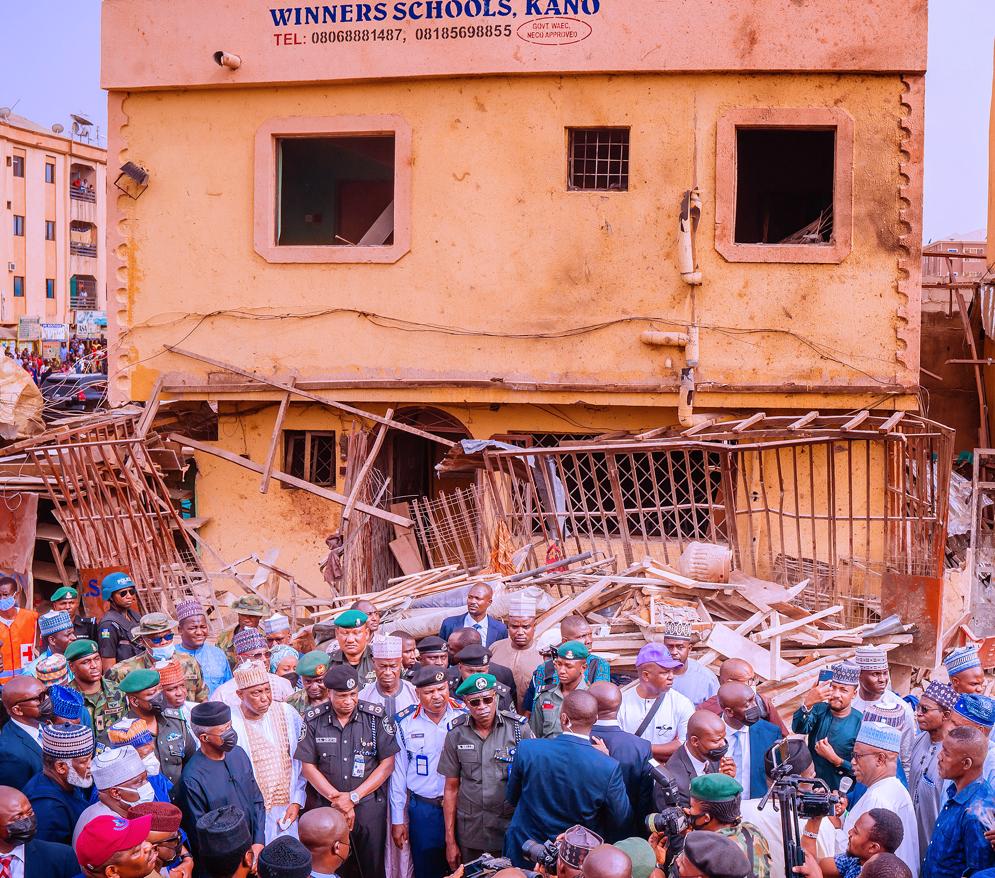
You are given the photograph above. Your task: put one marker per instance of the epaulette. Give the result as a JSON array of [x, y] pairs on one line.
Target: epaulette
[[173, 712], [370, 707], [317, 711], [455, 720], [461, 720], [514, 717], [402, 714]]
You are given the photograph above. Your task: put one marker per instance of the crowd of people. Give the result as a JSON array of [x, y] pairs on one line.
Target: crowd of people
[[79, 355], [133, 746]]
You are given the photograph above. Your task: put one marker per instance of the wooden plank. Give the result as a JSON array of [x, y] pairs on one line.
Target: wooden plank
[[742, 426], [366, 467], [400, 509], [287, 479], [891, 423], [149, 412], [51, 533], [571, 605], [855, 421], [324, 400], [406, 553], [274, 442], [803, 421], [725, 641], [796, 623]]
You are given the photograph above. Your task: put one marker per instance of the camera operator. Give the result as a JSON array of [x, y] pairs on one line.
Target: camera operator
[[705, 855], [819, 836], [715, 807]]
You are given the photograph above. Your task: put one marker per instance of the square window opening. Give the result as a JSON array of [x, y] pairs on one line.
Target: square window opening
[[310, 455], [19, 226], [335, 191], [784, 185], [598, 160]]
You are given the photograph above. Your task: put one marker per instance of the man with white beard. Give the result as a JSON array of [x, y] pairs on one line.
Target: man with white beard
[[60, 792]]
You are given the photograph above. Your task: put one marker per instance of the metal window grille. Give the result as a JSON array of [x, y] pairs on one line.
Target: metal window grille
[[310, 455], [599, 159]]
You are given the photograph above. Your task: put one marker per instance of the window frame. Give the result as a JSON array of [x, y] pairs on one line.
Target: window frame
[[265, 207], [18, 224], [17, 161], [49, 166], [18, 286], [50, 288], [573, 129], [308, 436], [50, 224], [726, 177]]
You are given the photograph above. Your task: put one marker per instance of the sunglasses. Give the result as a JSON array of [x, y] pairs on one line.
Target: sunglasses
[[40, 697], [479, 702], [161, 638], [126, 592]]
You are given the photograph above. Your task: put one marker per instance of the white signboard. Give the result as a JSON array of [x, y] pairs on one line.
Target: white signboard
[[55, 332], [90, 324]]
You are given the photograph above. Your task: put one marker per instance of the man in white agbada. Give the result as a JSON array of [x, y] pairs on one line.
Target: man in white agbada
[[875, 762], [873, 691], [268, 732], [394, 694]]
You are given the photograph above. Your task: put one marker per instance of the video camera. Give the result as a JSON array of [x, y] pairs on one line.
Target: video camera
[[670, 821], [545, 854], [798, 797]]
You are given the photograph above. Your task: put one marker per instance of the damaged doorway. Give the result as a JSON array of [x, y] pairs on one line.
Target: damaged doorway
[[410, 460]]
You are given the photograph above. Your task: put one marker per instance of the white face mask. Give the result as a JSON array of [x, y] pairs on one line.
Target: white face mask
[[146, 794], [161, 653], [75, 779], [151, 764]]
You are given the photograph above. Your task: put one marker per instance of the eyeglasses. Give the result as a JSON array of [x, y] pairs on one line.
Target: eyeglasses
[[160, 638], [171, 842], [126, 593], [481, 701], [858, 756], [921, 708], [40, 697]]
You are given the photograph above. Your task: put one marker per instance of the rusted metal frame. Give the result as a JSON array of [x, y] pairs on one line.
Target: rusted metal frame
[[571, 516], [115, 497], [454, 518], [419, 524], [890, 546], [71, 522], [323, 400], [780, 500], [812, 519], [726, 479], [436, 535], [586, 512], [534, 495], [714, 534], [849, 493], [364, 470], [675, 511], [90, 488], [547, 480], [798, 514], [831, 506], [446, 531], [52, 437], [751, 535], [599, 496], [623, 526], [979, 381], [474, 525], [274, 442], [692, 505], [763, 493], [651, 457]]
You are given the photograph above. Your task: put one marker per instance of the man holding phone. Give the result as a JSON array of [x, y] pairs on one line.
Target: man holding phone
[[831, 723]]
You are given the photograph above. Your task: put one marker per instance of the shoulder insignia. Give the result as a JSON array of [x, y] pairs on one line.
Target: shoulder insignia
[[514, 717], [369, 707], [402, 714], [317, 711], [173, 712], [461, 720], [105, 632], [502, 688], [388, 726]]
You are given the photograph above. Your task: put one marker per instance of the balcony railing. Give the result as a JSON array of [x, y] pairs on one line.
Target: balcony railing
[[80, 249], [81, 194], [83, 301]]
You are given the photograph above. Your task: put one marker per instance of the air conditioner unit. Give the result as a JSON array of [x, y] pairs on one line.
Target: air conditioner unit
[[11, 266]]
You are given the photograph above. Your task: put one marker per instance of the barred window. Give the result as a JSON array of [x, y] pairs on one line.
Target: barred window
[[599, 159], [310, 455]]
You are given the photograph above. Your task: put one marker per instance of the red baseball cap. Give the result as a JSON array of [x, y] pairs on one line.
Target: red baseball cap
[[106, 835]]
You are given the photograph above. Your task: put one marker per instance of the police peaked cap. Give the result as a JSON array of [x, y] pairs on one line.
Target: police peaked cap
[[428, 675], [342, 678], [474, 654]]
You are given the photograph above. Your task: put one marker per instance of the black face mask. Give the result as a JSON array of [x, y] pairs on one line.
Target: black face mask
[[752, 715], [761, 706], [228, 740], [716, 753], [22, 830], [45, 714], [158, 702]]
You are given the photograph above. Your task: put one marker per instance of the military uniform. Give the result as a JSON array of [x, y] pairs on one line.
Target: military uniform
[[298, 701], [115, 640], [196, 688], [174, 744], [481, 765], [545, 718], [367, 673], [346, 756], [226, 643], [106, 706]]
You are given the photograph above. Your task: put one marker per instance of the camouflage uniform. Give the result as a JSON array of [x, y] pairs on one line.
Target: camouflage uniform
[[298, 701], [196, 688], [105, 706], [754, 845]]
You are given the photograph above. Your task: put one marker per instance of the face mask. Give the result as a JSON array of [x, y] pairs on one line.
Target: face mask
[[7, 604], [145, 793], [151, 764], [45, 710], [761, 707], [228, 740], [752, 715], [716, 753], [23, 830], [161, 653], [158, 702], [699, 821], [75, 779]]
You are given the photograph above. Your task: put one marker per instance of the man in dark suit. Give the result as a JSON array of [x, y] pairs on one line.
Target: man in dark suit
[[704, 752], [27, 705], [749, 736], [478, 601], [560, 782], [39, 859], [629, 751]]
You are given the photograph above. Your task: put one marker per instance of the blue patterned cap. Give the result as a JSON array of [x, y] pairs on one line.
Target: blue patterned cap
[[53, 622], [67, 741], [846, 673], [66, 703], [962, 659], [942, 693], [978, 709], [249, 640], [881, 736], [279, 653]]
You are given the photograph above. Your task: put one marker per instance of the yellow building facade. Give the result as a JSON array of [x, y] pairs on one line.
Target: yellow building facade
[[506, 219]]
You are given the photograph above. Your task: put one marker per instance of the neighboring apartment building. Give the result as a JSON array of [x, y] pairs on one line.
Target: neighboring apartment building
[[54, 206], [470, 211]]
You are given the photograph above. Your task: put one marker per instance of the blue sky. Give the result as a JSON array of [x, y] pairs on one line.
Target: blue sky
[[50, 66]]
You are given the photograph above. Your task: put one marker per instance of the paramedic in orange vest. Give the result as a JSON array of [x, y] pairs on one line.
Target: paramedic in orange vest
[[18, 629]]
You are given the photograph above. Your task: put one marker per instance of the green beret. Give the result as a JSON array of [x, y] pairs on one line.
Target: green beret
[[476, 683], [80, 649], [642, 855], [350, 619], [139, 681], [64, 592], [313, 664], [715, 788], [573, 649]]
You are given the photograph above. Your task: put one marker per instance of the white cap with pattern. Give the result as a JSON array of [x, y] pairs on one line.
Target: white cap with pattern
[[521, 605], [276, 623], [389, 647]]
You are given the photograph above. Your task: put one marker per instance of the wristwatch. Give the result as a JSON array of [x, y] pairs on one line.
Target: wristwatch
[[354, 797]]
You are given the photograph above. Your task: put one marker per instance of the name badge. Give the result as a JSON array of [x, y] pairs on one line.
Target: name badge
[[466, 746], [421, 765], [358, 765]]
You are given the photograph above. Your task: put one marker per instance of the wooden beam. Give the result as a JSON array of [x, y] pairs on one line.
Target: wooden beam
[[287, 479], [978, 379], [274, 441], [749, 422], [803, 421], [855, 421], [367, 464], [797, 623], [725, 641], [891, 423], [151, 407], [324, 400]]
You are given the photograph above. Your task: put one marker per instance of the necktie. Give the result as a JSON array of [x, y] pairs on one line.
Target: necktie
[[5, 866], [477, 626], [737, 756]]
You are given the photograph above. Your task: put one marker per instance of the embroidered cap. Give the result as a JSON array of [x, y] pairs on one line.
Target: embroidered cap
[[129, 732], [977, 709], [249, 674], [576, 843], [170, 672], [66, 703], [962, 659], [846, 673], [53, 622], [281, 652], [389, 647], [870, 658], [475, 684], [115, 766], [276, 623], [249, 640], [66, 741], [942, 693], [521, 605], [284, 857], [52, 669], [676, 629], [166, 817], [188, 609], [880, 736]]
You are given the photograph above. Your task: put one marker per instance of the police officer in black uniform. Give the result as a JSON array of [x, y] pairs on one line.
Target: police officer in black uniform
[[346, 751], [476, 659]]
